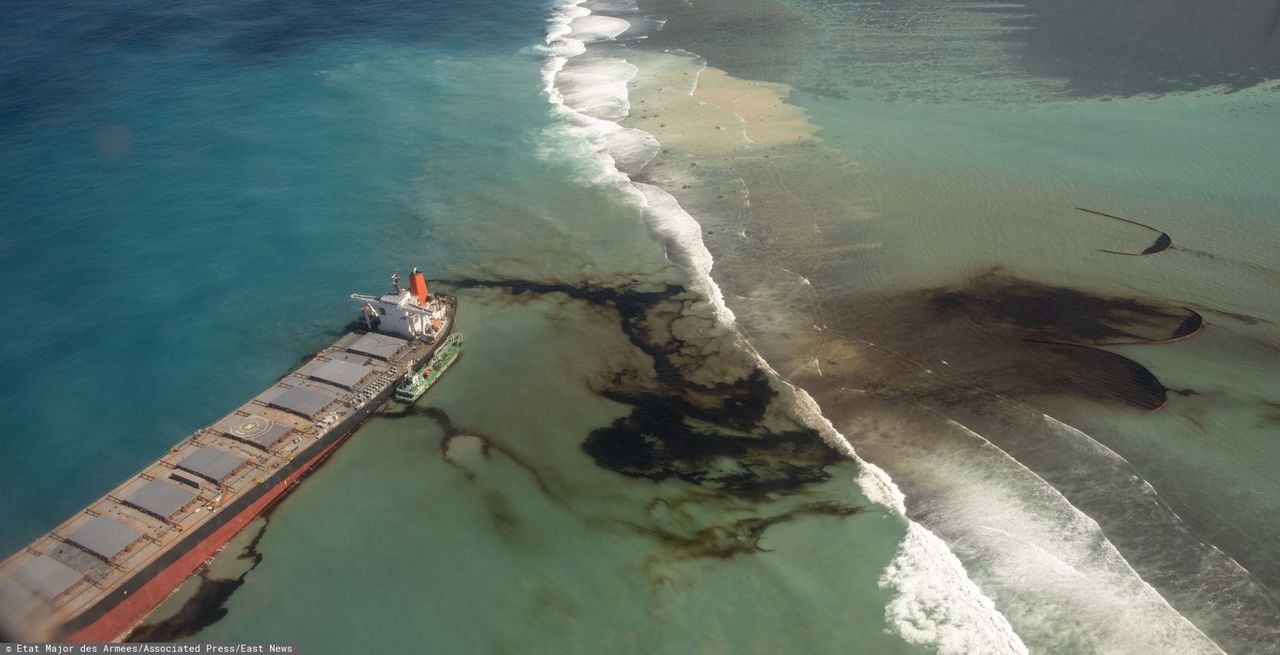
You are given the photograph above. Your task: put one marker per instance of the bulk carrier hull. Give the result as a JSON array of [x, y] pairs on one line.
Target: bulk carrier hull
[[115, 616], [98, 574]]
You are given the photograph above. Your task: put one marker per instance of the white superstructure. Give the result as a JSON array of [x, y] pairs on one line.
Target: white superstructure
[[411, 313]]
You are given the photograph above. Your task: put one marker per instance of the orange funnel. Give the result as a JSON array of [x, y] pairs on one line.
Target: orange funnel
[[418, 286]]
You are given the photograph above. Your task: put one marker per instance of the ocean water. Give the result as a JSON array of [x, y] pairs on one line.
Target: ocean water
[[755, 297], [151, 196], [902, 256]]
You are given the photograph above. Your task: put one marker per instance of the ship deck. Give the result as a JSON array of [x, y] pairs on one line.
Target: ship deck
[[80, 562]]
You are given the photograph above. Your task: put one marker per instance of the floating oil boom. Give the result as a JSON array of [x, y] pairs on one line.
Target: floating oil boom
[[1163, 241], [97, 574]]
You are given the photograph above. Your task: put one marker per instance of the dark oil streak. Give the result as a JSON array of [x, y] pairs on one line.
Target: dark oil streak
[[655, 441], [1049, 313], [740, 537], [1236, 316], [1140, 376], [711, 436], [1190, 327], [1249, 267], [208, 605], [487, 446], [1163, 243], [632, 306], [989, 332]]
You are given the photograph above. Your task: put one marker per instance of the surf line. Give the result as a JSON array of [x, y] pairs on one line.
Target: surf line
[[1163, 241]]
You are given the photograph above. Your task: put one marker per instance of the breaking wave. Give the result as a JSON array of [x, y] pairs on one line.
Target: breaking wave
[[936, 603], [591, 95]]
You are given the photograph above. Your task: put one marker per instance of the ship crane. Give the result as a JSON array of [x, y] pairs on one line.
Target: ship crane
[[411, 313]]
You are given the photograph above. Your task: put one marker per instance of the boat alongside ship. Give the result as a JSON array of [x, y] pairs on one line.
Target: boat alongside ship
[[415, 383], [100, 572]]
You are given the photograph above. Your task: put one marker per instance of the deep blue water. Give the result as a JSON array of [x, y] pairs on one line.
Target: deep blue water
[[189, 191]]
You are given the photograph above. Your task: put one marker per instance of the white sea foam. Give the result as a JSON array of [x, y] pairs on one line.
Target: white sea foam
[[683, 238], [1094, 444], [593, 29], [1031, 542], [611, 5], [936, 603], [592, 97], [597, 88]]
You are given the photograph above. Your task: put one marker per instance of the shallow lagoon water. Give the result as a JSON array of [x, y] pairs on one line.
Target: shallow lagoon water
[[949, 168], [323, 146], [505, 535]]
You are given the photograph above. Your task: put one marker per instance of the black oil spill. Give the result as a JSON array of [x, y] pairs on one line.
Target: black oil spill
[[1016, 337], [435, 414], [1126, 378], [1060, 314], [1190, 325], [742, 536], [1246, 319], [207, 606], [657, 442], [706, 425], [488, 448], [631, 304], [1163, 243], [702, 433]]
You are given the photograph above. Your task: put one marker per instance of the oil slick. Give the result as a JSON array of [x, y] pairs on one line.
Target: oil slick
[[698, 416], [997, 332], [208, 604]]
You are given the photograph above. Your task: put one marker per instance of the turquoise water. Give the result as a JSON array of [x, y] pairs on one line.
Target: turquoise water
[[507, 537], [955, 141], [222, 177], [189, 192], [188, 199]]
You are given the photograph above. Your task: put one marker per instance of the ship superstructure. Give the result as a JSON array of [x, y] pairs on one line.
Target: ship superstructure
[[411, 313], [97, 574]]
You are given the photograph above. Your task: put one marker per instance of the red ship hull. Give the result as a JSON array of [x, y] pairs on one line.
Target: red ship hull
[[122, 618]]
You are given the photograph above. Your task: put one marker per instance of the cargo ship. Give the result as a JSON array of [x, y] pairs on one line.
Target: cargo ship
[[98, 574], [415, 383]]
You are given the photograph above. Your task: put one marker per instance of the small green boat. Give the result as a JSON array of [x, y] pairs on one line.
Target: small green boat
[[416, 383]]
